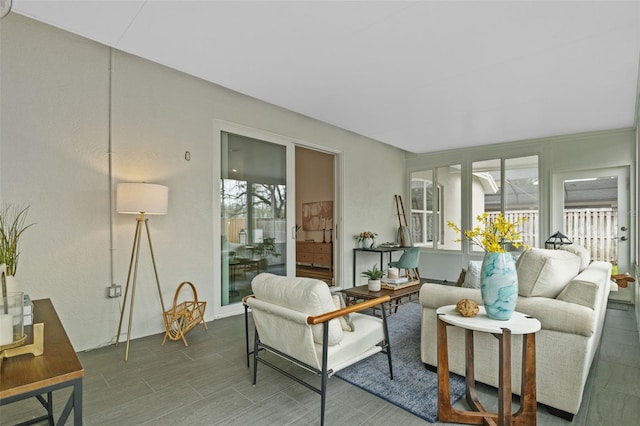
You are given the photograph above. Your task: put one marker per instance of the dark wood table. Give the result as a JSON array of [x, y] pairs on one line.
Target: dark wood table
[[27, 376], [398, 297]]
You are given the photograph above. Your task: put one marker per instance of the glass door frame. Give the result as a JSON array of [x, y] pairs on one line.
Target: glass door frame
[[622, 175], [229, 127]]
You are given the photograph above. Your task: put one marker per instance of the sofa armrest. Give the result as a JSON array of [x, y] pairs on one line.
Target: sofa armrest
[[559, 315]]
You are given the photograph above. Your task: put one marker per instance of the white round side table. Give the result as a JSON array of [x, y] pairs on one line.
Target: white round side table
[[502, 330]]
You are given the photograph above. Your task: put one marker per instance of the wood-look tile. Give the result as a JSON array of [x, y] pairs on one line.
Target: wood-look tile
[[150, 406], [608, 407], [211, 410], [617, 377], [278, 409], [208, 383]]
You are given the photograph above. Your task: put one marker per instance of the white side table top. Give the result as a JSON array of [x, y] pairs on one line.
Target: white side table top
[[518, 324]]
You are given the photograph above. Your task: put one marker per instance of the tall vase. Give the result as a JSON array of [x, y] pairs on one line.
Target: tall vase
[[499, 285]]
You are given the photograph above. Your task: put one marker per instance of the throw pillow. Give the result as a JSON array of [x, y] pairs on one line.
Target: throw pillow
[[581, 292], [545, 273], [472, 277], [580, 251], [345, 321], [461, 277]]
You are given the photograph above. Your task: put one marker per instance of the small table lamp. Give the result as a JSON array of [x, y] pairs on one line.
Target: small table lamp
[[557, 239], [140, 199]]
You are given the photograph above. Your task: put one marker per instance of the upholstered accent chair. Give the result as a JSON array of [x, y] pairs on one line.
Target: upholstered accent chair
[[297, 319], [409, 261]]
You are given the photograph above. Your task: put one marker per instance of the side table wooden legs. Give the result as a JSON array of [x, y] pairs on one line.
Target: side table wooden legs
[[526, 415]]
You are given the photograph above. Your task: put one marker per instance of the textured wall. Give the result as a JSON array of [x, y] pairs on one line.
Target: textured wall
[[55, 151]]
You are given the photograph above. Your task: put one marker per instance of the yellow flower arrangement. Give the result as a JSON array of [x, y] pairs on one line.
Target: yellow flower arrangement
[[493, 234]]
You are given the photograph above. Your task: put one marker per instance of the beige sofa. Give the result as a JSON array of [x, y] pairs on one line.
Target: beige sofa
[[569, 297]]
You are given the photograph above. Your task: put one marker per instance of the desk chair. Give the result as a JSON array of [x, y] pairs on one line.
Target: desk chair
[[409, 262]]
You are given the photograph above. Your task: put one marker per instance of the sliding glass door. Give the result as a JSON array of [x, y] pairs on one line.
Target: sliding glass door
[[255, 195]]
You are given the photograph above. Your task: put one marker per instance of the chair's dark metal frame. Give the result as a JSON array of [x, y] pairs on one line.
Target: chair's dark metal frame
[[324, 372]]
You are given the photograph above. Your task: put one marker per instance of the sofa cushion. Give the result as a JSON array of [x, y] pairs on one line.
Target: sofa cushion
[[306, 295], [581, 292], [545, 273], [587, 287], [472, 276], [580, 251]]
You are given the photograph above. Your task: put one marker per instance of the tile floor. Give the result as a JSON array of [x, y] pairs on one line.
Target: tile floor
[[208, 383]]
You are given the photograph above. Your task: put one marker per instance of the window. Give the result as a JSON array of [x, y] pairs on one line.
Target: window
[[435, 200], [508, 185], [422, 211], [518, 199]]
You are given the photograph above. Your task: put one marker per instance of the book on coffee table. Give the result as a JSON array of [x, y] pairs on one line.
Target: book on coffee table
[[395, 280], [405, 284]]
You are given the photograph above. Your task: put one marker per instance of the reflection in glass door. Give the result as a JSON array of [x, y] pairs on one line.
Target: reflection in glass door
[[253, 212]]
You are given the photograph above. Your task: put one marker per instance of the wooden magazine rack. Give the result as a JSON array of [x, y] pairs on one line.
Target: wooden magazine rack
[[183, 316]]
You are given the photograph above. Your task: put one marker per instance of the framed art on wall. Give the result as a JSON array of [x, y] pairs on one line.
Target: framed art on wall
[[317, 216]]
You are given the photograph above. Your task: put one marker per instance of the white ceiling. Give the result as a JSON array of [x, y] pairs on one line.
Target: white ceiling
[[423, 76]]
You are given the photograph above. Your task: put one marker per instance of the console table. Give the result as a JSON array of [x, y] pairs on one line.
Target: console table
[[26, 376], [381, 250], [502, 330]]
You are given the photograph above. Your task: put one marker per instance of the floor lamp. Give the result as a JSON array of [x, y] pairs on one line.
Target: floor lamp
[[140, 199]]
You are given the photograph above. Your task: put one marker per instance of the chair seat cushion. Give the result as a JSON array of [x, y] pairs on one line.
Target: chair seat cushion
[[357, 345], [306, 295]]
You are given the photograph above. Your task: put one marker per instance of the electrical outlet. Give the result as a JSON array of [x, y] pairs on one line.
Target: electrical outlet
[[114, 291]]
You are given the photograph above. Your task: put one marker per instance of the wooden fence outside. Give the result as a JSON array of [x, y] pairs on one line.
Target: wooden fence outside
[[593, 228], [270, 228]]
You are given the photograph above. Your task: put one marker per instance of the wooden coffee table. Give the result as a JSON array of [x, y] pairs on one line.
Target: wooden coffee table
[[398, 297]]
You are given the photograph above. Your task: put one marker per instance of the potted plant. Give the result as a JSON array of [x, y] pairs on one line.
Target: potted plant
[[12, 225], [367, 239], [374, 274]]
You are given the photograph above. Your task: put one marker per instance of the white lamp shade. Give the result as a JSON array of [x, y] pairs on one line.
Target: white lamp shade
[[147, 198]]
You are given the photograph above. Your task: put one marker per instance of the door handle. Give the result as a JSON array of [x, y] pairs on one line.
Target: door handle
[[624, 228], [623, 238]]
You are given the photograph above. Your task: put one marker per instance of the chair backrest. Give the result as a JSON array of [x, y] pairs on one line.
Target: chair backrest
[[409, 259], [306, 295]]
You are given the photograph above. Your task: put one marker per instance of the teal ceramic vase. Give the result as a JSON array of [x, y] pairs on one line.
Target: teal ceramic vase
[[499, 285]]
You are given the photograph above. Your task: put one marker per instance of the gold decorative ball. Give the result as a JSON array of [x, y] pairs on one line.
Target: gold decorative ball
[[467, 308]]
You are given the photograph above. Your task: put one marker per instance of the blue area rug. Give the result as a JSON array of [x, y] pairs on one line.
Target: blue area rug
[[413, 388]]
